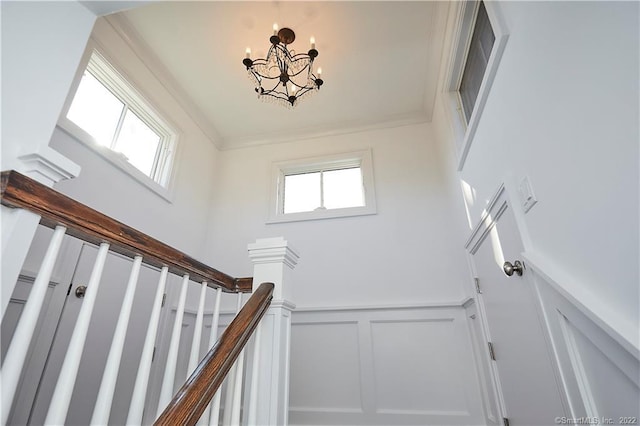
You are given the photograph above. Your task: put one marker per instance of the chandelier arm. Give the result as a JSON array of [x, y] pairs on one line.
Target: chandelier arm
[[278, 95]]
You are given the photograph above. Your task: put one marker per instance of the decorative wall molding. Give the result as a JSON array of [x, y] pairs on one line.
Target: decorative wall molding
[[380, 365], [600, 371], [48, 166], [427, 305], [495, 207], [623, 331], [269, 250]]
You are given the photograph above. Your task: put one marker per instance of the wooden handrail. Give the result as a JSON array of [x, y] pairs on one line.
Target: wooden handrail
[[192, 399], [83, 222]]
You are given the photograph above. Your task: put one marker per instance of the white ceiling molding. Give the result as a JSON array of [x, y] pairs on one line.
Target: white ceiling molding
[[383, 71], [326, 131], [129, 34]]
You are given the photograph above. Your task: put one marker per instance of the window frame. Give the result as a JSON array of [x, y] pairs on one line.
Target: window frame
[[104, 69], [464, 19], [361, 159]]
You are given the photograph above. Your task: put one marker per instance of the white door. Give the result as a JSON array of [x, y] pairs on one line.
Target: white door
[[101, 329], [46, 326], [523, 362]]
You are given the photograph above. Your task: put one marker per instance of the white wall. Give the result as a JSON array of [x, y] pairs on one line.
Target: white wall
[[180, 223], [563, 110], [36, 36], [403, 254], [42, 43]]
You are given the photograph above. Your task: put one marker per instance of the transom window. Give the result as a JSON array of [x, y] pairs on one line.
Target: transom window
[[324, 189], [477, 59], [111, 114], [318, 188], [479, 38]]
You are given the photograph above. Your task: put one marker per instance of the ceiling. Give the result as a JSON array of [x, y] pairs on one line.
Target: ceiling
[[380, 63]]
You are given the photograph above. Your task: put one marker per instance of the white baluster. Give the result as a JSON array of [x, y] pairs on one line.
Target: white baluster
[[197, 332], [102, 408], [16, 354], [237, 391], [144, 368], [66, 381], [166, 391], [255, 365], [231, 381], [214, 407]]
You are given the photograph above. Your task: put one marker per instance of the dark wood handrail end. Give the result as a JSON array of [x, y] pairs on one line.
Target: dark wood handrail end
[[194, 396]]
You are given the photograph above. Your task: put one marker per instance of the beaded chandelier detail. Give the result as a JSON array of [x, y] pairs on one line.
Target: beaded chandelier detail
[[284, 77]]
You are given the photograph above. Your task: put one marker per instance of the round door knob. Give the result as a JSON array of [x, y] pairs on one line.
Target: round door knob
[[80, 291], [517, 267]]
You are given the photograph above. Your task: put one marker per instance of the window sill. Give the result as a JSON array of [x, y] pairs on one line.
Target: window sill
[[322, 214], [115, 159]]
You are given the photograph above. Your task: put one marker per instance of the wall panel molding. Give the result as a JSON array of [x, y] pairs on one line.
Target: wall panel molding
[[402, 365], [599, 370]]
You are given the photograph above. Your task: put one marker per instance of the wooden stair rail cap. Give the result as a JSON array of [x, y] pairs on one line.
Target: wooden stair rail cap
[[19, 191]]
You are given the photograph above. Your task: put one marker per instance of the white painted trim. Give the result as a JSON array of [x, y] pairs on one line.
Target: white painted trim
[[48, 166], [336, 129], [114, 159], [578, 367], [464, 16], [490, 215], [366, 409], [618, 328], [404, 306], [273, 250]]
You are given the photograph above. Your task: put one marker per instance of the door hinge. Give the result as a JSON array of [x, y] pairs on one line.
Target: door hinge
[[476, 280], [69, 289], [164, 298], [492, 353], [505, 421]]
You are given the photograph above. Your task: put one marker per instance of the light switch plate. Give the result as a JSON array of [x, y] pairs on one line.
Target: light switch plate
[[527, 197]]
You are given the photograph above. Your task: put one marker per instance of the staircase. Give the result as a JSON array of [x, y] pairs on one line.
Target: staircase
[[245, 371]]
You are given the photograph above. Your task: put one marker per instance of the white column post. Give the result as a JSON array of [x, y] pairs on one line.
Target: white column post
[[274, 260]]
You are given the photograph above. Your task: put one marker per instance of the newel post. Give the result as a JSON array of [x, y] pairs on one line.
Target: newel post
[[274, 260]]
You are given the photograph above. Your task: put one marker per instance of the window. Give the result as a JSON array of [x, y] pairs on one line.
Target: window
[[318, 188], [479, 39], [108, 114], [477, 60]]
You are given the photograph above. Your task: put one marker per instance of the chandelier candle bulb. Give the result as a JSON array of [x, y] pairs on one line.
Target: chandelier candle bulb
[[248, 53], [312, 40], [275, 28]]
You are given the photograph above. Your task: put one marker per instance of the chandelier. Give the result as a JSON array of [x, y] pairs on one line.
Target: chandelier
[[284, 76]]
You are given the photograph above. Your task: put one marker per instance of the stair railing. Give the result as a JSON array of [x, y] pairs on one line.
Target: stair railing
[[67, 216]]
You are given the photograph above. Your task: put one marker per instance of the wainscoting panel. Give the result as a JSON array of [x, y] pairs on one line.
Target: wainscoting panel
[[600, 376], [333, 351], [383, 366]]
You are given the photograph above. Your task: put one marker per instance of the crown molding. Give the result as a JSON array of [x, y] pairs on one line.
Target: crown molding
[[134, 40], [130, 35], [437, 53], [411, 119]]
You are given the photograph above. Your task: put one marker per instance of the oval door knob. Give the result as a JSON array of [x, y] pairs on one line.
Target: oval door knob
[[510, 268], [80, 291]]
